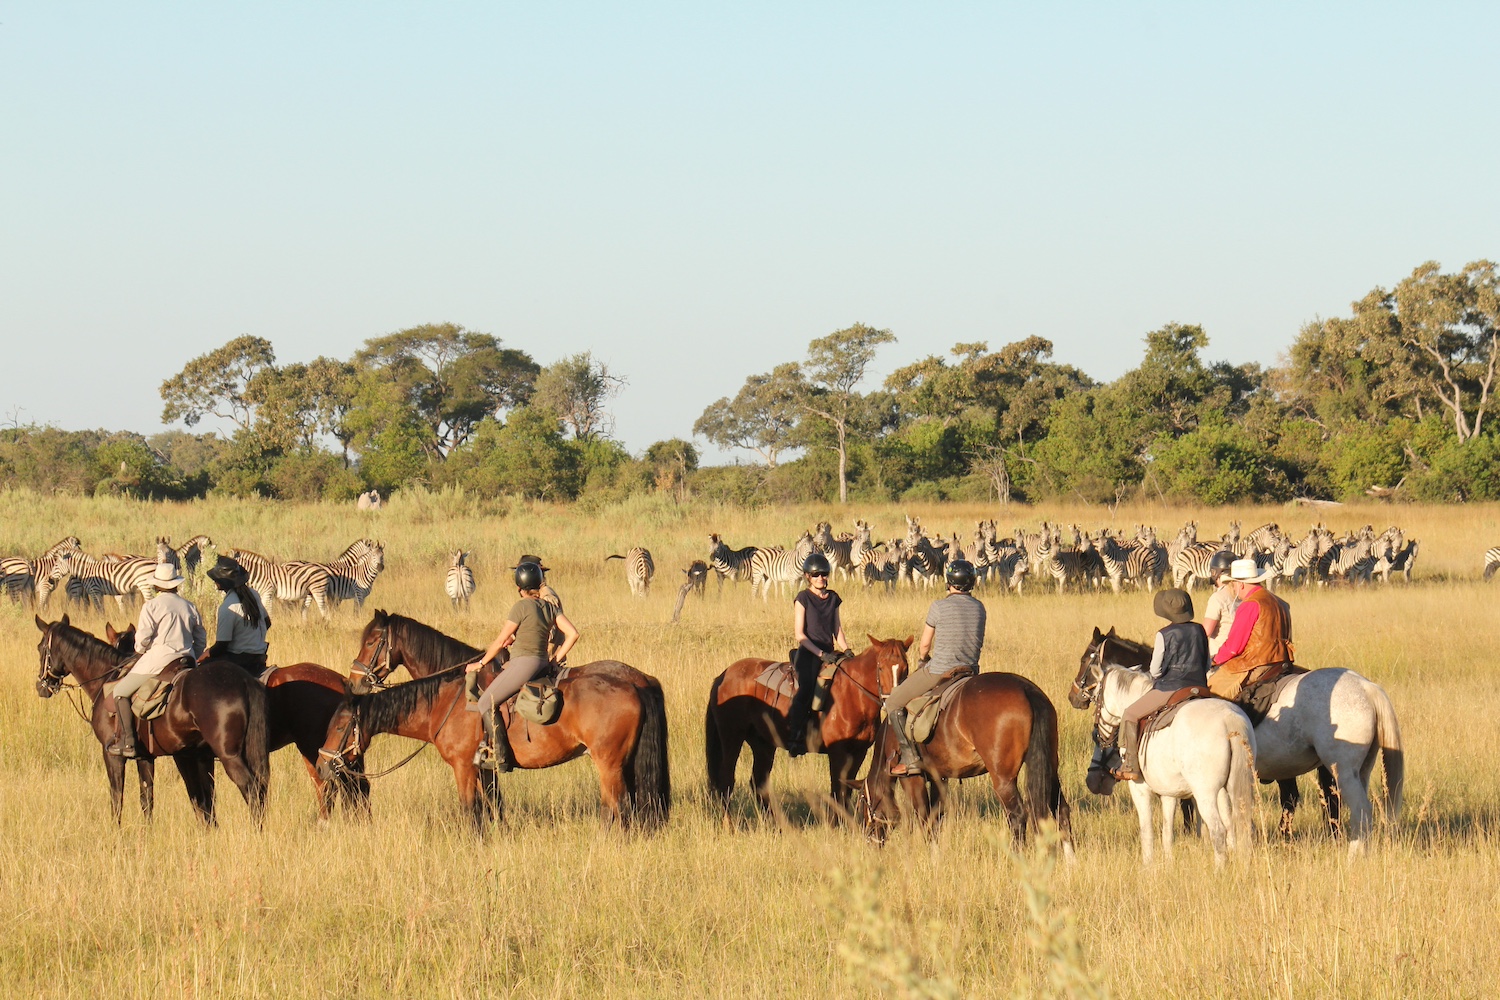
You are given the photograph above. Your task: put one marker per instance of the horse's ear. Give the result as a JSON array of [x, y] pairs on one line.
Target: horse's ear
[[1097, 634], [41, 625], [64, 620], [873, 641], [1111, 631], [906, 643], [111, 634]]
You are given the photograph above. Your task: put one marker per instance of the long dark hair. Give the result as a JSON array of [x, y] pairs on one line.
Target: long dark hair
[[249, 602]]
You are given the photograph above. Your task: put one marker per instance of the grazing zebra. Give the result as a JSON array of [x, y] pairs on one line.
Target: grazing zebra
[[638, 570], [352, 575], [121, 577], [459, 586], [300, 583], [1010, 564], [775, 565], [1491, 561], [190, 555], [727, 562]]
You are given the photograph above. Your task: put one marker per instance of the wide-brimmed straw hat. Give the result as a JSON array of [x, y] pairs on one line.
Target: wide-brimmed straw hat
[[1175, 606], [166, 577], [1246, 571]]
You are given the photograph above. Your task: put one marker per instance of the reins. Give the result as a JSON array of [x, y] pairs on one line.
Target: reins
[[336, 758]]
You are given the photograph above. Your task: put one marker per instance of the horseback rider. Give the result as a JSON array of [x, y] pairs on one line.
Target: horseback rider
[[819, 632], [1260, 642], [1179, 659], [528, 632], [243, 620], [1218, 613], [953, 636], [169, 629]]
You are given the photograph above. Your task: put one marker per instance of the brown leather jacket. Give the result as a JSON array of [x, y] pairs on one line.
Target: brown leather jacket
[[1270, 640]]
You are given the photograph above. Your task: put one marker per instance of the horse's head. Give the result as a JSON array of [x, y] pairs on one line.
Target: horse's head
[[52, 667], [890, 661], [374, 661], [1090, 671], [124, 642], [872, 807], [341, 757]]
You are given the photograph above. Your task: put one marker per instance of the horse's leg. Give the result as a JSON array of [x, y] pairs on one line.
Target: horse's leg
[[145, 769], [114, 770], [466, 777], [1328, 791], [762, 758], [1355, 794], [254, 792], [1291, 797], [721, 775], [1010, 799], [322, 791], [1168, 825], [614, 790], [1141, 795], [197, 783]]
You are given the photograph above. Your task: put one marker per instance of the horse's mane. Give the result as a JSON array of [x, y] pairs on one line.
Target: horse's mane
[[384, 710], [76, 642], [429, 647], [1130, 644]]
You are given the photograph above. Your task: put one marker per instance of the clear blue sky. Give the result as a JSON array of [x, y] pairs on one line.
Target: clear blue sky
[[694, 191]]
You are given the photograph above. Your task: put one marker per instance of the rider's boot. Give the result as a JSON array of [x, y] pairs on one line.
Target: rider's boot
[[796, 729], [124, 744], [494, 753], [911, 760], [1130, 742]]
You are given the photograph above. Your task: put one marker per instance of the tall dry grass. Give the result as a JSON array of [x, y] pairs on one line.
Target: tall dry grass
[[412, 904]]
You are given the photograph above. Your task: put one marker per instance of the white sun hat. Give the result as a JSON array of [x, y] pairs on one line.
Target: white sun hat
[[166, 577], [1245, 571]]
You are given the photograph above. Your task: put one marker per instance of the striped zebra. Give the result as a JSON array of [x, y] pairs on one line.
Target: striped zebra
[[122, 578], [1063, 566], [776, 565], [862, 551], [301, 583], [925, 558], [1010, 564], [886, 567], [639, 569], [190, 555], [1299, 562], [1113, 557], [1491, 561], [1261, 540], [1191, 564], [352, 575], [1352, 558], [727, 562], [840, 551], [459, 585], [35, 578]]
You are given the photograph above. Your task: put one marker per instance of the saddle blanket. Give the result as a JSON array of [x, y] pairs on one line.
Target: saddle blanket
[[150, 699], [922, 712], [782, 679]]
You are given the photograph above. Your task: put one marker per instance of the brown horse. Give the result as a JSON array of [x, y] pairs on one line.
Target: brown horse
[[300, 702], [742, 711], [215, 710], [995, 724], [611, 711]]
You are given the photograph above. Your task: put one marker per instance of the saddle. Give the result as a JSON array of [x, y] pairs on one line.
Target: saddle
[[781, 679], [1162, 717], [922, 712], [150, 699], [1257, 697]]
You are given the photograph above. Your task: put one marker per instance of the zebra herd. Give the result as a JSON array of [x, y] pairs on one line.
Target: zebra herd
[[88, 579], [1071, 557]]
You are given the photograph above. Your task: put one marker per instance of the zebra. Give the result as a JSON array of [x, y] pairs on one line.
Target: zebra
[[21, 577], [190, 555], [840, 551], [352, 575], [862, 551], [727, 562], [696, 579], [1062, 566], [459, 585], [638, 570], [1191, 564], [887, 568], [1010, 564], [301, 583], [1352, 558], [1262, 539], [927, 559], [1113, 558], [775, 565], [121, 577], [1491, 561]]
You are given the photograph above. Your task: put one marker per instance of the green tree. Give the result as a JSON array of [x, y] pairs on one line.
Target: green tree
[[762, 416], [671, 461], [216, 384], [834, 369], [576, 391], [1452, 321]]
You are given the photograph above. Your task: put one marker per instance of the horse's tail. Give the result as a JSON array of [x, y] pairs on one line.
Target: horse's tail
[[1044, 795], [653, 781], [1392, 752], [257, 748], [713, 749], [1240, 787]]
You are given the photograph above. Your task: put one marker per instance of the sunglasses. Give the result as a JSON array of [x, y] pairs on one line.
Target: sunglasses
[[817, 576]]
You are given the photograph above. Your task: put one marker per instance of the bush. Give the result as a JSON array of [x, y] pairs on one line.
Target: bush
[[313, 475], [1218, 464]]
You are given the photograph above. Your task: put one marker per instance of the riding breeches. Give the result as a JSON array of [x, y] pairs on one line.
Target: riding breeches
[[1145, 705], [131, 683], [917, 682], [512, 677]]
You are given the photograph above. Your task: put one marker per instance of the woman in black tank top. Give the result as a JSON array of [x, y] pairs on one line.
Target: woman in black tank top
[[819, 634]]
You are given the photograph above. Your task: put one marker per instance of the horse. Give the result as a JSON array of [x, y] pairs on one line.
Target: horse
[[995, 724], [1208, 753], [300, 701], [215, 710], [1332, 720], [741, 711], [611, 711]]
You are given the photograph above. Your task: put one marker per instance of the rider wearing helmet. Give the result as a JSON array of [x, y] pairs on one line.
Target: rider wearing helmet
[[243, 620], [953, 636], [527, 633], [1218, 613], [820, 636]]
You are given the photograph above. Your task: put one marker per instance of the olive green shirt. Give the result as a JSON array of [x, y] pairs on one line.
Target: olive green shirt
[[535, 620]]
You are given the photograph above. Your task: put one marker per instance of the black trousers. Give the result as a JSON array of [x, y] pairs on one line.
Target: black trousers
[[253, 663], [806, 666]]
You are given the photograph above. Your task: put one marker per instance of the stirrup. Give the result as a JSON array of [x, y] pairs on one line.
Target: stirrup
[[120, 748], [485, 759]]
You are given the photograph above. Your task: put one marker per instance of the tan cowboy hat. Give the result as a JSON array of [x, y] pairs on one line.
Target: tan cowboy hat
[[1246, 571], [165, 577]]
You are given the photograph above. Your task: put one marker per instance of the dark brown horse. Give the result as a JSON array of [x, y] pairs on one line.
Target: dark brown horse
[[996, 724], [215, 710], [300, 702], [741, 711], [611, 711]]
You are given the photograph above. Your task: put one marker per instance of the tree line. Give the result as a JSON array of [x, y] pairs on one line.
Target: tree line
[[1395, 398]]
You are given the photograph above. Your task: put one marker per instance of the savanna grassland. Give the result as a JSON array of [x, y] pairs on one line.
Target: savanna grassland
[[413, 904]]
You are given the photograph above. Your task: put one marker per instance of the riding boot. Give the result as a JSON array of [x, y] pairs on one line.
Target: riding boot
[[1130, 741], [494, 753], [911, 760], [124, 744]]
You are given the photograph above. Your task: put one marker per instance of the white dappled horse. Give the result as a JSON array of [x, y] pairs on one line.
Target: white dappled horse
[[1206, 754]]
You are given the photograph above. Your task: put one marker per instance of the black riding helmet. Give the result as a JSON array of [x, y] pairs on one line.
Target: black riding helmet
[[960, 575], [815, 564], [528, 576], [229, 571], [1220, 563]]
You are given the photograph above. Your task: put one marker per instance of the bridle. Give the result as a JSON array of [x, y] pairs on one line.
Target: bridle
[[379, 668], [52, 675], [1106, 730]]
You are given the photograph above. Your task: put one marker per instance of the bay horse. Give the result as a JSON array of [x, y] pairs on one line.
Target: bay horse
[[1330, 720], [215, 710], [300, 701], [611, 711], [741, 711], [1207, 754], [996, 724]]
